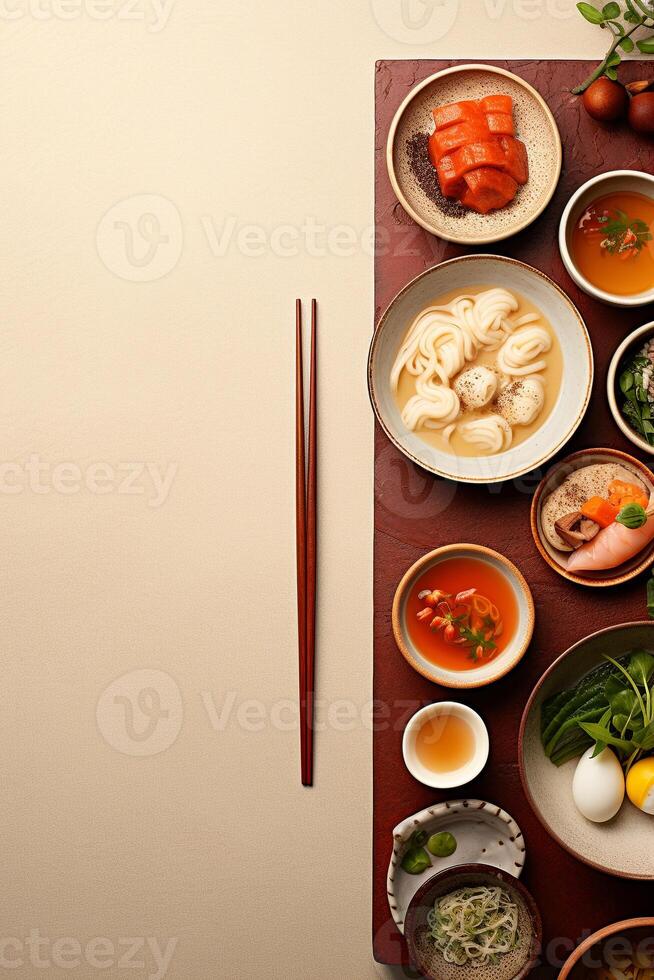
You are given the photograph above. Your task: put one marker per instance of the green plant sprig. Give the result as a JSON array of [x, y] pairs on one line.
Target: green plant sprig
[[622, 20]]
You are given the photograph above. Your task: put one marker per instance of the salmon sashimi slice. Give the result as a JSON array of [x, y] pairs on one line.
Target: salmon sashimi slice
[[488, 189], [611, 547], [453, 166], [457, 112], [516, 162], [447, 140], [450, 180], [500, 123], [497, 103]]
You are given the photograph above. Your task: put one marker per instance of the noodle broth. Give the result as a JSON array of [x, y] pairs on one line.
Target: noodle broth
[[551, 377]]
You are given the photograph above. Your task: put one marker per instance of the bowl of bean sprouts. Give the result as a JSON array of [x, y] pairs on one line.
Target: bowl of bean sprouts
[[473, 921]]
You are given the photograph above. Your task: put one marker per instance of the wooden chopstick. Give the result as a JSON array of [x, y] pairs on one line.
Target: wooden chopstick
[[301, 535], [306, 543], [312, 492]]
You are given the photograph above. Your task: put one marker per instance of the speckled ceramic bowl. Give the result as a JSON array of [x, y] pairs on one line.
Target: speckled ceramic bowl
[[535, 126], [484, 833], [623, 845], [431, 964], [558, 559]]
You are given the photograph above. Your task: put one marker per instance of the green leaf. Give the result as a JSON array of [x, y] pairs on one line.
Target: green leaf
[[644, 738], [641, 666], [603, 722], [602, 734], [646, 45], [632, 18], [627, 44], [626, 381], [611, 10], [612, 74], [613, 62], [632, 516], [624, 702], [590, 13]]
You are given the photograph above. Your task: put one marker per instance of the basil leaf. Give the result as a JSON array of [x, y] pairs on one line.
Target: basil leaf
[[632, 516], [590, 13], [627, 44], [646, 45], [611, 10]]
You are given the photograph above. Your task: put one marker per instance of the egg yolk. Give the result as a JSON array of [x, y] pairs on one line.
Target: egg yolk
[[640, 785]]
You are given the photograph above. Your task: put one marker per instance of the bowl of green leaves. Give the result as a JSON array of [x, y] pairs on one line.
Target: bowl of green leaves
[[630, 387]]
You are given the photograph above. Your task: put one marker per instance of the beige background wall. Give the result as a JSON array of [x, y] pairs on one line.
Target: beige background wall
[[165, 168]]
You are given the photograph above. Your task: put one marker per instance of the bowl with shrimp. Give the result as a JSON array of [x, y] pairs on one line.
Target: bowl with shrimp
[[480, 369]]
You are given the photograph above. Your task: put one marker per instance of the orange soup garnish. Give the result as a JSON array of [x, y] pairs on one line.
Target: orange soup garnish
[[612, 243]]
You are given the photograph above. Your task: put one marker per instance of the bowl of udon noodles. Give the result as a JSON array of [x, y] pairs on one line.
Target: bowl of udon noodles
[[480, 369]]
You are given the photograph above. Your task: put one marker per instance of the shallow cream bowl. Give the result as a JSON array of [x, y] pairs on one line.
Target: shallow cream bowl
[[635, 181], [463, 274]]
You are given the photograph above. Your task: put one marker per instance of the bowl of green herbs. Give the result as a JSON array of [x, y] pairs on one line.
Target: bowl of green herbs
[[598, 694], [630, 387]]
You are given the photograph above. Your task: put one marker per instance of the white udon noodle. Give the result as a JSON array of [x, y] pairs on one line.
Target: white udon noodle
[[439, 343], [491, 433], [518, 355]]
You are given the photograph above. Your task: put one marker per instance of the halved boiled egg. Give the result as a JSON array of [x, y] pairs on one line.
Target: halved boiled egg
[[598, 785], [640, 785]]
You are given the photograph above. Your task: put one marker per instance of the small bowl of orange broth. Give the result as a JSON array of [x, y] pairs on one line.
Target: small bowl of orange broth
[[463, 616], [606, 237], [445, 745]]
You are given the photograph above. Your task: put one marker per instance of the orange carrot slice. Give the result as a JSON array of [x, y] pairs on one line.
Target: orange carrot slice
[[602, 511]]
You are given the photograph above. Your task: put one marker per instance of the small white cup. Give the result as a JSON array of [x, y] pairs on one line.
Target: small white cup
[[457, 777], [635, 181]]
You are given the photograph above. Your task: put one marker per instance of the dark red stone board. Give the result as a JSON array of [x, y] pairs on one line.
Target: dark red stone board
[[415, 512]]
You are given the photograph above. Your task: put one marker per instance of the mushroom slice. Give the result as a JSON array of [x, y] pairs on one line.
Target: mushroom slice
[[575, 529]]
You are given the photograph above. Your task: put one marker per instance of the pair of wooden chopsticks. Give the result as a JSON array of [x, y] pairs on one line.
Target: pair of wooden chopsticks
[[305, 534]]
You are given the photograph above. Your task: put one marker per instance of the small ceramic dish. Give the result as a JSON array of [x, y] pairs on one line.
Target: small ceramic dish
[[462, 274], [511, 966], [622, 846], [629, 347], [454, 777], [608, 183], [504, 661], [611, 946], [558, 559], [484, 833], [535, 126]]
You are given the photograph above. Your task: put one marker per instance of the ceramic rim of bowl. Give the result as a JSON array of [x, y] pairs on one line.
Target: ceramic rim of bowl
[[615, 929], [611, 380], [532, 464], [613, 299], [608, 580], [452, 778], [480, 552], [521, 739], [390, 143], [483, 871], [452, 809]]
